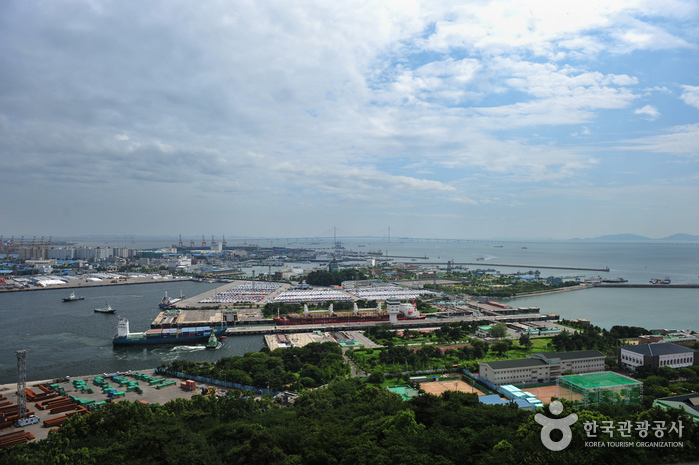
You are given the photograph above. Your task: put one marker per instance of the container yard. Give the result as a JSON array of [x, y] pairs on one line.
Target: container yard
[[53, 401]]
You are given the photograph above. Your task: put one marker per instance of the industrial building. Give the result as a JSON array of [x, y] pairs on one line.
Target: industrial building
[[542, 367], [656, 355], [687, 402]]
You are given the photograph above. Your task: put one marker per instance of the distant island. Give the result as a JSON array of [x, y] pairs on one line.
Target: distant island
[[636, 237]]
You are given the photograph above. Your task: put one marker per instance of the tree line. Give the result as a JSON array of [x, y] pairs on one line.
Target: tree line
[[350, 422], [293, 368]]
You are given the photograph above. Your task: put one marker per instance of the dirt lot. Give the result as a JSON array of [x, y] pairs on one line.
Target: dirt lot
[[543, 393], [438, 387]]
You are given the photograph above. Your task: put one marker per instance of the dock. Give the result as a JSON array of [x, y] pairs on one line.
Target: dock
[[483, 264], [361, 326], [649, 286]]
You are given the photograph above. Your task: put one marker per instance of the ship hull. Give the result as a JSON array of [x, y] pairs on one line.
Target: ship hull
[[173, 340]]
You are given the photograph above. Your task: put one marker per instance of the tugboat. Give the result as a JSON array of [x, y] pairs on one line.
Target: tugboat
[[105, 309], [168, 302], [213, 342], [72, 297]]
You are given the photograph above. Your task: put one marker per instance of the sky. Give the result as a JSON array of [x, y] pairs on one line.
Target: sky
[[478, 119]]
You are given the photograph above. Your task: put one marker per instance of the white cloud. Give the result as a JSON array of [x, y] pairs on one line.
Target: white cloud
[[680, 140], [649, 112], [644, 36], [691, 95]]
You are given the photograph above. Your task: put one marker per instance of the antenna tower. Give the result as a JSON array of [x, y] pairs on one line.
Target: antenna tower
[[21, 383]]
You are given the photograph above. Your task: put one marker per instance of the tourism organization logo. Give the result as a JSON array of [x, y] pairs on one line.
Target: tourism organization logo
[[644, 429], [551, 424]]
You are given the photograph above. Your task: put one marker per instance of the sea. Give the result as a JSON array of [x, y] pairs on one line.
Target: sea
[[70, 339]]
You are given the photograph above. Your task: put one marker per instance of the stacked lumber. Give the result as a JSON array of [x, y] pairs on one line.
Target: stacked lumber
[[17, 437], [53, 403], [58, 421]]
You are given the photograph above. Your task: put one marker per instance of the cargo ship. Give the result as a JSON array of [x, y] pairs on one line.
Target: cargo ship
[[186, 335], [396, 311]]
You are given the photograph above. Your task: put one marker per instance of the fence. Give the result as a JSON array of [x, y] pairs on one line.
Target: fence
[[490, 385], [217, 382]]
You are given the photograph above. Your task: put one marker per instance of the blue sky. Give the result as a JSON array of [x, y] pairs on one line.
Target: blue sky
[[489, 119]]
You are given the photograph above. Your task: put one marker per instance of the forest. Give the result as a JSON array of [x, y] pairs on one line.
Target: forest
[[293, 368], [349, 422]]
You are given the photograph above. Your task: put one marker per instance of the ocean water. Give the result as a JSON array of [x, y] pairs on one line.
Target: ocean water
[[70, 339]]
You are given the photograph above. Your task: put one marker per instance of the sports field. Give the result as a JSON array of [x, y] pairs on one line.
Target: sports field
[[438, 387], [543, 393], [598, 380]]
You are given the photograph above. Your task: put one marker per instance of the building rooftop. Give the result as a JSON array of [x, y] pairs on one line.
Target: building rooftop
[[687, 402], [598, 380], [658, 348], [574, 355], [517, 363]]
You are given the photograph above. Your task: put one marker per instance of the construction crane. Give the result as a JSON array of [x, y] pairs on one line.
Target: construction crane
[[225, 244], [181, 244], [203, 242]]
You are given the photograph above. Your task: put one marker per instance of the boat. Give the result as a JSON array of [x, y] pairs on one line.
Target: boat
[[480, 259], [212, 342], [661, 281], [106, 309], [159, 336], [170, 301], [72, 297], [402, 312]]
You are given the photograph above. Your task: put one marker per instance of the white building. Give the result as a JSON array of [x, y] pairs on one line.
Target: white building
[[542, 367], [656, 355]]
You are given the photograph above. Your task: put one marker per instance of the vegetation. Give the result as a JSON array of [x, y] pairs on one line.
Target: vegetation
[[293, 368], [350, 422], [590, 337], [326, 278], [482, 284], [498, 330]]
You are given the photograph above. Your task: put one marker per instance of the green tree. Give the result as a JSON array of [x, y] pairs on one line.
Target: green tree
[[525, 341], [499, 330]]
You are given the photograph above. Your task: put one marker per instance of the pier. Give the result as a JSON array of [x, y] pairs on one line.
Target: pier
[[649, 286], [490, 265], [360, 326]]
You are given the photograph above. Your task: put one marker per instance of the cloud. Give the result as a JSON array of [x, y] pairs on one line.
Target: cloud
[[648, 112], [679, 140], [690, 96], [390, 106]]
